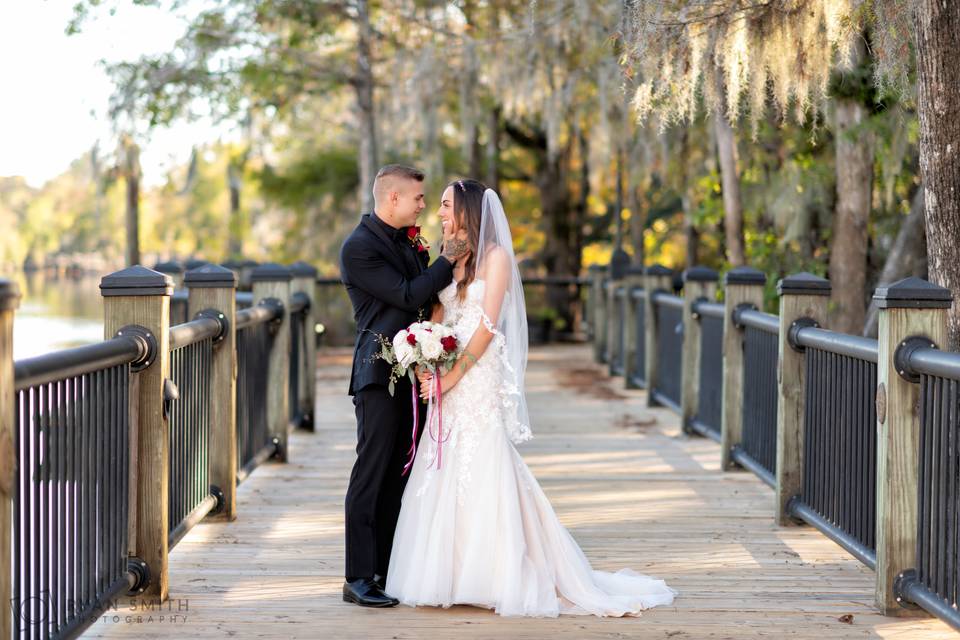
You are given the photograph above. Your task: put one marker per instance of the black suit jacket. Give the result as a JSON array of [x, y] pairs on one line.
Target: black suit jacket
[[386, 293]]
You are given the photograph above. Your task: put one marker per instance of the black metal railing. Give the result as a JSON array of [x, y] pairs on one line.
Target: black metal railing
[[299, 334], [757, 450], [935, 583], [710, 315], [187, 400], [618, 337], [71, 489], [668, 311], [254, 341], [637, 298], [838, 493]]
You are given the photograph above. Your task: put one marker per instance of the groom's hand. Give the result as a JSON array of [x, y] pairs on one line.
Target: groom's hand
[[456, 247]]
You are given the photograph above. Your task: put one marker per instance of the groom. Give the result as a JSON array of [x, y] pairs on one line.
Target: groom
[[389, 283]]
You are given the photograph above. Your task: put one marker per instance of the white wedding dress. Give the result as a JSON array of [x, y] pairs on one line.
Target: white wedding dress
[[479, 530]]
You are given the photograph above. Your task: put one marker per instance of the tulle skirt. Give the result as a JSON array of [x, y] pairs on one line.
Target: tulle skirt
[[480, 531]]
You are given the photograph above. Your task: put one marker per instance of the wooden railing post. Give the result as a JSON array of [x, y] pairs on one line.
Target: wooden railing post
[[9, 299], [272, 282], [598, 316], [657, 278], [214, 289], [141, 296], [305, 281], [803, 298], [614, 343], [908, 308], [699, 283], [246, 274], [743, 286], [631, 341], [173, 269]]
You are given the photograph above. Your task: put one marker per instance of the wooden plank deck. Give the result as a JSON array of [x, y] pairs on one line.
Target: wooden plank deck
[[633, 491]]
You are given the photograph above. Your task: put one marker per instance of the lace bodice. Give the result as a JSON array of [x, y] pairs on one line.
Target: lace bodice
[[484, 398]]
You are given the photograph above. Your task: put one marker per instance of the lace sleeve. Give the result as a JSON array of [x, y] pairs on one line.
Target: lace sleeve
[[511, 395]]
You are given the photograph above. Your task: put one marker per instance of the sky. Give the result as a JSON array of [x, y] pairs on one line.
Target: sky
[[55, 93]]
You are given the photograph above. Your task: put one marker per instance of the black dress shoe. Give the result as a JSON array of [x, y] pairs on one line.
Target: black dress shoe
[[367, 593]]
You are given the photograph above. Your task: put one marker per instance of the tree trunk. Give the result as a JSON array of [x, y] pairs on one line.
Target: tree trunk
[[730, 181], [364, 86], [132, 176], [638, 223], [690, 235], [937, 30], [493, 150], [907, 256], [235, 184], [848, 248]]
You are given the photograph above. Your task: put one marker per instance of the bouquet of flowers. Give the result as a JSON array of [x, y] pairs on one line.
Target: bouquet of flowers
[[430, 346]]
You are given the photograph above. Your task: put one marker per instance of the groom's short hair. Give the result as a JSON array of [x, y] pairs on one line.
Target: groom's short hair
[[386, 175]]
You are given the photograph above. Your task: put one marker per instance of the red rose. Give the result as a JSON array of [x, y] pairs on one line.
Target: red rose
[[411, 339], [413, 232], [422, 249], [449, 344]]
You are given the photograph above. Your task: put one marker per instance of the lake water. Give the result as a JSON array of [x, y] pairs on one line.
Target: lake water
[[56, 313]]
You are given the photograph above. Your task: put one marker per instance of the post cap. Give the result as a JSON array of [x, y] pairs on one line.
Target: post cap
[[136, 281], [636, 270], [170, 266], [912, 293], [271, 272], [804, 284], [9, 295], [745, 275], [700, 274], [658, 270], [301, 269], [249, 263], [195, 263], [210, 276], [231, 264], [596, 268]]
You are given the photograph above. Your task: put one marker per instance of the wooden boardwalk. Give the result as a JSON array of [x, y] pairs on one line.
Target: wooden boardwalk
[[633, 491]]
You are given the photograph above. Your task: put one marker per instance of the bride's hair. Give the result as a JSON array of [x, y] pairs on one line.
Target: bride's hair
[[468, 210]]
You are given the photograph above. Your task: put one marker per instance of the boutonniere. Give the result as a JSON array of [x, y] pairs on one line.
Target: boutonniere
[[417, 240]]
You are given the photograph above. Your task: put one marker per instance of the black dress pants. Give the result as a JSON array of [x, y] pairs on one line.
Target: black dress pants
[[372, 505]]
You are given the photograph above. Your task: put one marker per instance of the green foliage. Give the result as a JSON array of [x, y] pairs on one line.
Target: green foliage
[[310, 179]]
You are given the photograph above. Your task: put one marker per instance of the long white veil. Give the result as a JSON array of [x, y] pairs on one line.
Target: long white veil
[[507, 319]]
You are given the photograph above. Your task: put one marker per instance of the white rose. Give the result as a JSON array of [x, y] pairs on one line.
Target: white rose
[[431, 347], [405, 353]]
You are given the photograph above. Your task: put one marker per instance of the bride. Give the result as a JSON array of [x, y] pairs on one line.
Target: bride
[[475, 528]]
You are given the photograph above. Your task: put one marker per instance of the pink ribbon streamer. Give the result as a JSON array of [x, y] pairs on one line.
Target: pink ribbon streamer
[[439, 439], [412, 453]]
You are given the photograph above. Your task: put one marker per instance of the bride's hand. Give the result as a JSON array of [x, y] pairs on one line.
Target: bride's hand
[[427, 387], [423, 375]]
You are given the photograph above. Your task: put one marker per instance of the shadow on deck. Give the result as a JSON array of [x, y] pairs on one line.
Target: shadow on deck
[[633, 490]]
